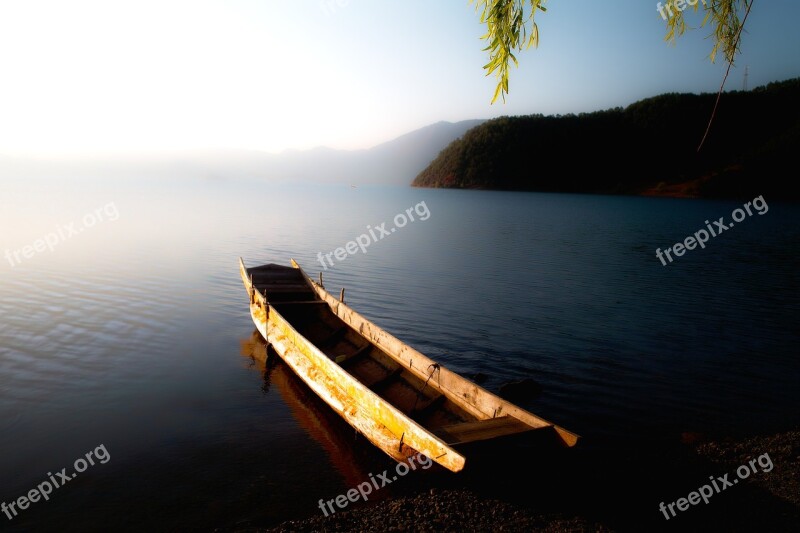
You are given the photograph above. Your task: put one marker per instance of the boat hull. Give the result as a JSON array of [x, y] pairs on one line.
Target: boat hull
[[382, 424], [470, 396], [400, 400]]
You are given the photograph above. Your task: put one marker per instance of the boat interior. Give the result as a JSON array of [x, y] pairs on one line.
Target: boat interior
[[288, 292]]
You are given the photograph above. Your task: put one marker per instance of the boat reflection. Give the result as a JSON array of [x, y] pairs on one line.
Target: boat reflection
[[352, 455]]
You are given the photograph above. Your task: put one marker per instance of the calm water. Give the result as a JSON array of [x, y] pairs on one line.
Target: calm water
[[134, 332]]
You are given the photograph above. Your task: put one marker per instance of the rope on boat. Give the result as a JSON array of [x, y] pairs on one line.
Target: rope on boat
[[419, 392]]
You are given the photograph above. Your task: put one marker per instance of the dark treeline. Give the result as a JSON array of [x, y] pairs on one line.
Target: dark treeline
[[650, 147]]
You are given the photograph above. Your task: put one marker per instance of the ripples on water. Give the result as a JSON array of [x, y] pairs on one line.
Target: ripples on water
[[131, 334]]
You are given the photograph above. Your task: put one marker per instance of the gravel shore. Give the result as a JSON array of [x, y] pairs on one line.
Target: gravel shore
[[598, 491], [783, 449], [440, 510]]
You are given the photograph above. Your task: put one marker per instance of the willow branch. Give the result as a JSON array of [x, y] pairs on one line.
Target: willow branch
[[727, 73]]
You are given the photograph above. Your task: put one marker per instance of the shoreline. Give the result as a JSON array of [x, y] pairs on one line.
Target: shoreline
[[598, 491], [684, 190]]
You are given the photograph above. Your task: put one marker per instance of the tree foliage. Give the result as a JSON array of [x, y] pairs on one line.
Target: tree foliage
[[725, 17], [511, 26], [642, 148]]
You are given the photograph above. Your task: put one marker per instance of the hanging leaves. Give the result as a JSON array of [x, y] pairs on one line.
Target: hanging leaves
[[510, 26], [507, 23]]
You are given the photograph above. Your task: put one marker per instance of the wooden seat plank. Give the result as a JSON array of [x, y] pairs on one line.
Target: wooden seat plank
[[342, 359], [428, 407], [261, 287], [382, 383], [490, 428], [333, 338]]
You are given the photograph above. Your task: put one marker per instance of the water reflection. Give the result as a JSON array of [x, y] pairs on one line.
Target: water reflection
[[352, 456]]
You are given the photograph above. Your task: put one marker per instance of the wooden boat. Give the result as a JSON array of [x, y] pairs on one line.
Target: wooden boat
[[310, 413], [398, 398]]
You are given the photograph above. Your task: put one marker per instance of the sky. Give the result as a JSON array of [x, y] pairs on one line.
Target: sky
[[88, 77]]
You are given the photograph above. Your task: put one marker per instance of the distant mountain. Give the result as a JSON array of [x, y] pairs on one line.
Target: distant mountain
[[648, 148], [395, 162]]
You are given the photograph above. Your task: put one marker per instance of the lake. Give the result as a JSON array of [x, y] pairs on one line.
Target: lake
[[125, 324]]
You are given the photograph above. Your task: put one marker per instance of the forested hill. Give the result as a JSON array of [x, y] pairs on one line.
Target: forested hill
[[650, 147]]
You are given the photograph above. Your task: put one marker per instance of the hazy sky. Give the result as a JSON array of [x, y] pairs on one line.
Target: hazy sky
[[89, 76]]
